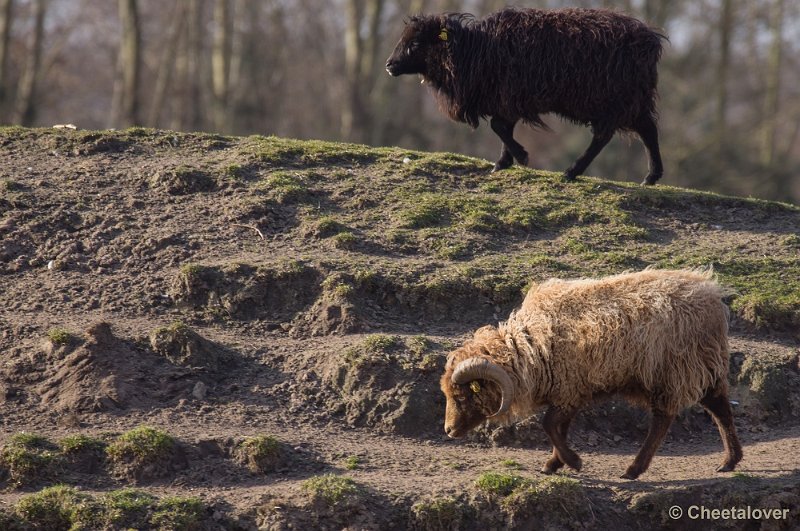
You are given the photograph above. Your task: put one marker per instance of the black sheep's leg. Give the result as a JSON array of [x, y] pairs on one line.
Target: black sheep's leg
[[655, 435], [647, 130], [599, 140], [511, 148]]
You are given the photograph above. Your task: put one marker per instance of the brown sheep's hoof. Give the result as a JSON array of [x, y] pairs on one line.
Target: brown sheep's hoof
[[576, 464], [552, 466], [631, 473], [726, 467]]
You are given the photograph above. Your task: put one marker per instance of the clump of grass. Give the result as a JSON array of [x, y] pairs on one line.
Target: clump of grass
[[511, 464], [233, 171], [419, 345], [178, 513], [380, 343], [140, 446], [499, 483], [352, 462], [372, 348], [428, 211], [558, 496], [28, 458], [286, 187], [331, 489], [261, 454], [80, 443], [60, 336], [326, 226], [437, 513], [57, 507], [344, 240], [124, 509]]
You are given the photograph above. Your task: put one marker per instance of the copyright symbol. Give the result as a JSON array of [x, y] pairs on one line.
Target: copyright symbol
[[675, 512]]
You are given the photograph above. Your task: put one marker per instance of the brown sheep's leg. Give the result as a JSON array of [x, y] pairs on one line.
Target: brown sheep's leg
[[719, 408], [658, 430], [599, 140], [554, 463], [511, 148], [553, 421], [648, 131]]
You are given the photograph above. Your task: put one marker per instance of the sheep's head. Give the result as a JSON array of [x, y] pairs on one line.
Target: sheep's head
[[424, 39], [475, 385]]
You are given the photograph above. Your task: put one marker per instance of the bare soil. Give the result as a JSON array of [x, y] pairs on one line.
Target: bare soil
[[206, 292]]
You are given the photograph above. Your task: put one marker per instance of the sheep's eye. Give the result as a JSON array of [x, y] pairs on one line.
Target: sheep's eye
[[413, 45]]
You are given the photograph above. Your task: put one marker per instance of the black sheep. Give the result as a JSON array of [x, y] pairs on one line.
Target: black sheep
[[593, 67]]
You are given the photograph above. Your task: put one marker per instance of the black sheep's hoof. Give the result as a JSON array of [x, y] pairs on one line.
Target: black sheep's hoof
[[499, 167], [650, 180], [567, 177]]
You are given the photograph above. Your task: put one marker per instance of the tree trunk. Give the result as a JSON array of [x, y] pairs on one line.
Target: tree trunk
[[360, 60], [773, 78], [221, 63], [6, 14], [166, 64], [127, 111], [25, 113], [723, 67]]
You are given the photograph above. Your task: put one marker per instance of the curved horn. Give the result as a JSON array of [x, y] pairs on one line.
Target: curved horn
[[481, 368]]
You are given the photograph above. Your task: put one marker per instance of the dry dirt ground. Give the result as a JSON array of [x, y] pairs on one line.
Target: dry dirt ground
[[221, 289]]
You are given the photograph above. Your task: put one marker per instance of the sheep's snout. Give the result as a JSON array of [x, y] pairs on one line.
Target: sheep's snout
[[391, 67]]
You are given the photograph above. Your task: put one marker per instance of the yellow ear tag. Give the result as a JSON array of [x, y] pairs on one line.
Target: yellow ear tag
[[443, 37], [475, 386]]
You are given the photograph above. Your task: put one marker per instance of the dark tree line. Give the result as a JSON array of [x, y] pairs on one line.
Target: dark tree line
[[730, 97]]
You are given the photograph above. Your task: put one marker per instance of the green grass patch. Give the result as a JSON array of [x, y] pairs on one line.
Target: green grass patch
[[177, 513], [57, 507], [511, 464], [438, 514], [499, 483], [352, 462], [331, 489], [29, 458], [72, 444], [344, 240], [285, 186], [141, 445], [60, 336], [261, 454]]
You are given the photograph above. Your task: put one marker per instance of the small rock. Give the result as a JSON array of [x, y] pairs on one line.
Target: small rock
[[51, 265], [406, 160], [617, 438], [200, 390]]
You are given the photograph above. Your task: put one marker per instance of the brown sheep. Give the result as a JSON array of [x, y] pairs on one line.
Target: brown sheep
[[658, 338]]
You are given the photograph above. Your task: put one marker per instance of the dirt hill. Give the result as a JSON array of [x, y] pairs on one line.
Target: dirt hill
[[208, 332]]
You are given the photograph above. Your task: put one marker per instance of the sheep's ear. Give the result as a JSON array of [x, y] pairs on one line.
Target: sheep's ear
[[475, 386], [444, 35]]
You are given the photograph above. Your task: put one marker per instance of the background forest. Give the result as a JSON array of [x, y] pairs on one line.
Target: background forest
[[729, 80]]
